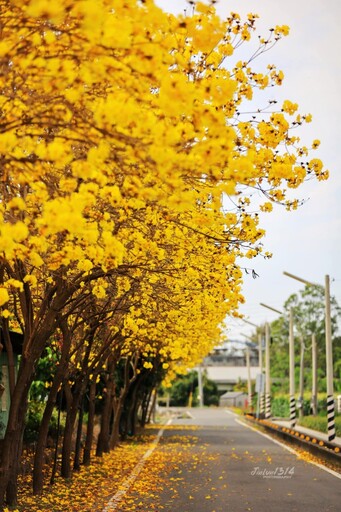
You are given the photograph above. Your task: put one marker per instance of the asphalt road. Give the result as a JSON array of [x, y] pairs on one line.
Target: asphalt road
[[228, 467]]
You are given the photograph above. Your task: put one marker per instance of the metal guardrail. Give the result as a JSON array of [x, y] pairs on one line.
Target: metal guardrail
[[313, 444]]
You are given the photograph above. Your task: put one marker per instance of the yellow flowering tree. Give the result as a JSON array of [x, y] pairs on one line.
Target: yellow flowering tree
[[120, 137]]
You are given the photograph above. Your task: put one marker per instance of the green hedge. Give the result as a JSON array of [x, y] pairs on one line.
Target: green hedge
[[280, 406], [320, 423]]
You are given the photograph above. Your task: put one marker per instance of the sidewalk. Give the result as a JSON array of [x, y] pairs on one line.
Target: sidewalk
[[307, 431]]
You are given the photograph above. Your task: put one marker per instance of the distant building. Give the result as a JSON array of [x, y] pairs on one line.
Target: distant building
[[226, 365], [233, 399]]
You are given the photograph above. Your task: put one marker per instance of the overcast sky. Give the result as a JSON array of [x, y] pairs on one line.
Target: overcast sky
[[306, 242]]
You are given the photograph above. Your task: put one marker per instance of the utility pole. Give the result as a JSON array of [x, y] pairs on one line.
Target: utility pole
[[291, 363], [301, 396], [267, 364], [329, 365], [329, 354], [292, 404], [260, 399], [314, 375], [260, 362], [249, 386], [267, 373]]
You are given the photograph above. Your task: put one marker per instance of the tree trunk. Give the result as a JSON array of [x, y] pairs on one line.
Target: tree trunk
[[12, 486], [68, 432], [38, 477], [115, 432], [151, 415], [55, 458], [119, 402], [145, 406], [91, 424], [12, 443], [76, 463], [132, 410], [104, 435], [134, 403]]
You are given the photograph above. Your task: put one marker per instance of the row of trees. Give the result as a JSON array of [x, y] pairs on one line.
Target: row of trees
[[127, 172]]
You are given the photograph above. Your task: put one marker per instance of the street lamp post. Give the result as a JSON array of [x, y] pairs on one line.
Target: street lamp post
[[329, 354]]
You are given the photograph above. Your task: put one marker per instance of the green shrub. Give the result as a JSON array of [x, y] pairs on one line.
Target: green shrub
[[33, 419], [280, 406]]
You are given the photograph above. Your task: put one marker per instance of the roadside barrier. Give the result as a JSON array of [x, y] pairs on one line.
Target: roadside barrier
[[326, 450]]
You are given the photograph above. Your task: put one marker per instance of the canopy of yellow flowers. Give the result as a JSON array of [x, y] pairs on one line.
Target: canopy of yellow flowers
[[120, 140]]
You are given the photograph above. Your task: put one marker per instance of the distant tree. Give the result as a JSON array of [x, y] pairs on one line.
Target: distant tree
[[184, 390], [309, 318], [210, 391], [241, 385]]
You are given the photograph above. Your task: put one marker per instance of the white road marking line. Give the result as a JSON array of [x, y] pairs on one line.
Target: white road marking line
[[231, 412], [291, 450], [115, 500]]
